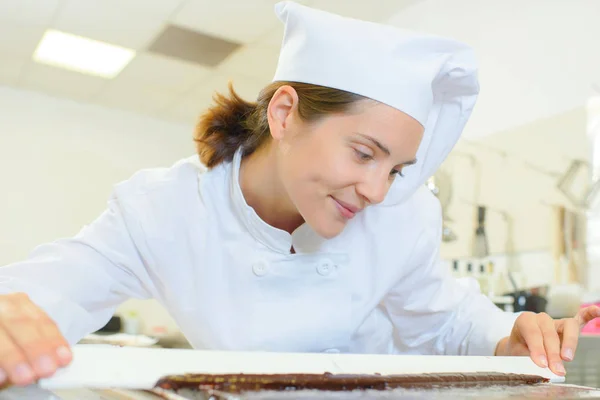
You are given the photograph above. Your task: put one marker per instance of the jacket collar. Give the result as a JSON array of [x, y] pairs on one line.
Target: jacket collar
[[304, 239]]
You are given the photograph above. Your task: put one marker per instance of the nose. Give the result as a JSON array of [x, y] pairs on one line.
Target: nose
[[374, 188]]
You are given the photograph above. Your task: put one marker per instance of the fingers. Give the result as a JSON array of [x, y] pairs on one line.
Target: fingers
[[570, 338], [13, 362], [541, 339], [551, 343], [529, 330], [31, 345], [587, 314], [571, 327]]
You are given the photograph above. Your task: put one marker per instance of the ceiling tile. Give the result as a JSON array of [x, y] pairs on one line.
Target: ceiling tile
[[10, 69], [374, 10], [247, 88], [160, 8], [37, 12], [109, 21], [189, 45], [24, 38], [273, 38], [188, 107], [60, 82], [252, 61], [185, 112], [163, 72], [241, 21], [134, 96]]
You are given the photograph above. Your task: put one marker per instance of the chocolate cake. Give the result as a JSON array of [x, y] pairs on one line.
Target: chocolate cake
[[239, 383]]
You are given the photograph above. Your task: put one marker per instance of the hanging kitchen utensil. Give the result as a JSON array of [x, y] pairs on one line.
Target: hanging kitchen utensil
[[575, 186], [440, 184], [480, 245], [558, 244]]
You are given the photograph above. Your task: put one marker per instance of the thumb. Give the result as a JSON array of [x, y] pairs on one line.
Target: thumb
[[587, 314]]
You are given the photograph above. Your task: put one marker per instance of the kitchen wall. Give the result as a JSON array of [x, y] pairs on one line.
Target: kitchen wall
[[58, 162], [593, 217], [514, 174]]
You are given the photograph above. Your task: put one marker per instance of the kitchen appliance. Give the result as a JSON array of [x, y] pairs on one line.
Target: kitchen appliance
[[533, 299]]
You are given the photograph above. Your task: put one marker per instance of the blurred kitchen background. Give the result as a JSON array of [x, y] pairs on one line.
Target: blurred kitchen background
[[519, 193]]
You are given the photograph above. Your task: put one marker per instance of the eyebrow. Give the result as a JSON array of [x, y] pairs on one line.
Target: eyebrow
[[384, 148]]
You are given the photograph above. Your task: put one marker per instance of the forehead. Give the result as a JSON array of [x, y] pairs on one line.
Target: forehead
[[394, 128]]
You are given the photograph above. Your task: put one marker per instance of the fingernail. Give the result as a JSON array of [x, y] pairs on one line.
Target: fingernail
[[3, 376], [63, 353], [569, 354], [45, 365], [23, 373], [560, 368], [544, 361]]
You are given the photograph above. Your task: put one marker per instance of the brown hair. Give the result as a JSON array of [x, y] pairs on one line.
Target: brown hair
[[233, 122]]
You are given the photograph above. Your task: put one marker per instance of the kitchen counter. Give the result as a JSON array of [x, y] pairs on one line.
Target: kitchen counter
[[584, 371], [548, 391], [35, 393]]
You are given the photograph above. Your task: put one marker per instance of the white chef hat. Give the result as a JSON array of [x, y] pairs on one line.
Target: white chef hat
[[430, 78]]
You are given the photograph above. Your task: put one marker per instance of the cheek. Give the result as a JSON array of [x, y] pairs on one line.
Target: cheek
[[342, 170], [314, 169], [330, 173]]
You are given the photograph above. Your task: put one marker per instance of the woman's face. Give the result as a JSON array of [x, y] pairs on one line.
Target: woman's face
[[333, 168]]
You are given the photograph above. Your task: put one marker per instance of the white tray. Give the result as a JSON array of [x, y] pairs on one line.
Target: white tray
[[105, 366]]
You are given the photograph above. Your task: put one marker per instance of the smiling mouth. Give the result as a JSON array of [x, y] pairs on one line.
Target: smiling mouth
[[346, 210]]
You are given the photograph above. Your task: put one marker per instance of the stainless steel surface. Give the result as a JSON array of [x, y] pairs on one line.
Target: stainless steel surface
[[35, 393], [585, 368], [547, 391]]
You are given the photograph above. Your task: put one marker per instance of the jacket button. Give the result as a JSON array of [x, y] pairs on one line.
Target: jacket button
[[325, 267], [260, 268]]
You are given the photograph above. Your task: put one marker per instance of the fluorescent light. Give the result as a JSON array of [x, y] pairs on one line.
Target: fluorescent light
[[83, 55]]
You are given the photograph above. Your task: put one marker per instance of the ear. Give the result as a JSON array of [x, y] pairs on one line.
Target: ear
[[281, 109]]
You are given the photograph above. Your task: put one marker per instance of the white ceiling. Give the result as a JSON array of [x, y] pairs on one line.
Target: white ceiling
[[537, 57]]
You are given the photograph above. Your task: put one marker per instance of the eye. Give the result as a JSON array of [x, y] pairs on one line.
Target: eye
[[363, 156], [395, 172]]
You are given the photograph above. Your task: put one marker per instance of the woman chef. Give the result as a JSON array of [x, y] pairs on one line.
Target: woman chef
[[311, 230]]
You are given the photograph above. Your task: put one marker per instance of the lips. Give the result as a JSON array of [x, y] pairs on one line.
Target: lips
[[348, 211]]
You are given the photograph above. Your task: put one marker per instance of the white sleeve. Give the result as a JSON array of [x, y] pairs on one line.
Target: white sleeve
[[80, 281], [433, 313]]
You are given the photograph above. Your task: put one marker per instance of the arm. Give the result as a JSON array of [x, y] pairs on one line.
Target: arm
[[432, 313], [79, 282]]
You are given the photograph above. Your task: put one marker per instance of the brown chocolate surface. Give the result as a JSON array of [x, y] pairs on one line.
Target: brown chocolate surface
[[239, 383]]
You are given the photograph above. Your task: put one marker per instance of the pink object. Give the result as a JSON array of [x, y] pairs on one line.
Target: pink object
[[593, 327]]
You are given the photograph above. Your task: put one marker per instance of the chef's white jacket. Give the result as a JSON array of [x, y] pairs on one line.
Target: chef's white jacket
[[186, 237]]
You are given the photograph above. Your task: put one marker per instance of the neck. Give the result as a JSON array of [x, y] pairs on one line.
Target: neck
[[264, 192]]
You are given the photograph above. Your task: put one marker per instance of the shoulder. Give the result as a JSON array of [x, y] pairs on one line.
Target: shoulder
[[183, 174], [157, 202], [426, 206], [422, 210], [413, 226]]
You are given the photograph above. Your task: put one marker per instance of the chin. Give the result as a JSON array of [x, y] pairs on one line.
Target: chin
[[326, 227]]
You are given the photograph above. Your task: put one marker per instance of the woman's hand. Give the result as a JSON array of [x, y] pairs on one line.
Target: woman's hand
[[31, 346], [547, 341]]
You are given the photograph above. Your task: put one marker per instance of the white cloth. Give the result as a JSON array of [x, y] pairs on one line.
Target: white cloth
[[187, 238], [430, 78]]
